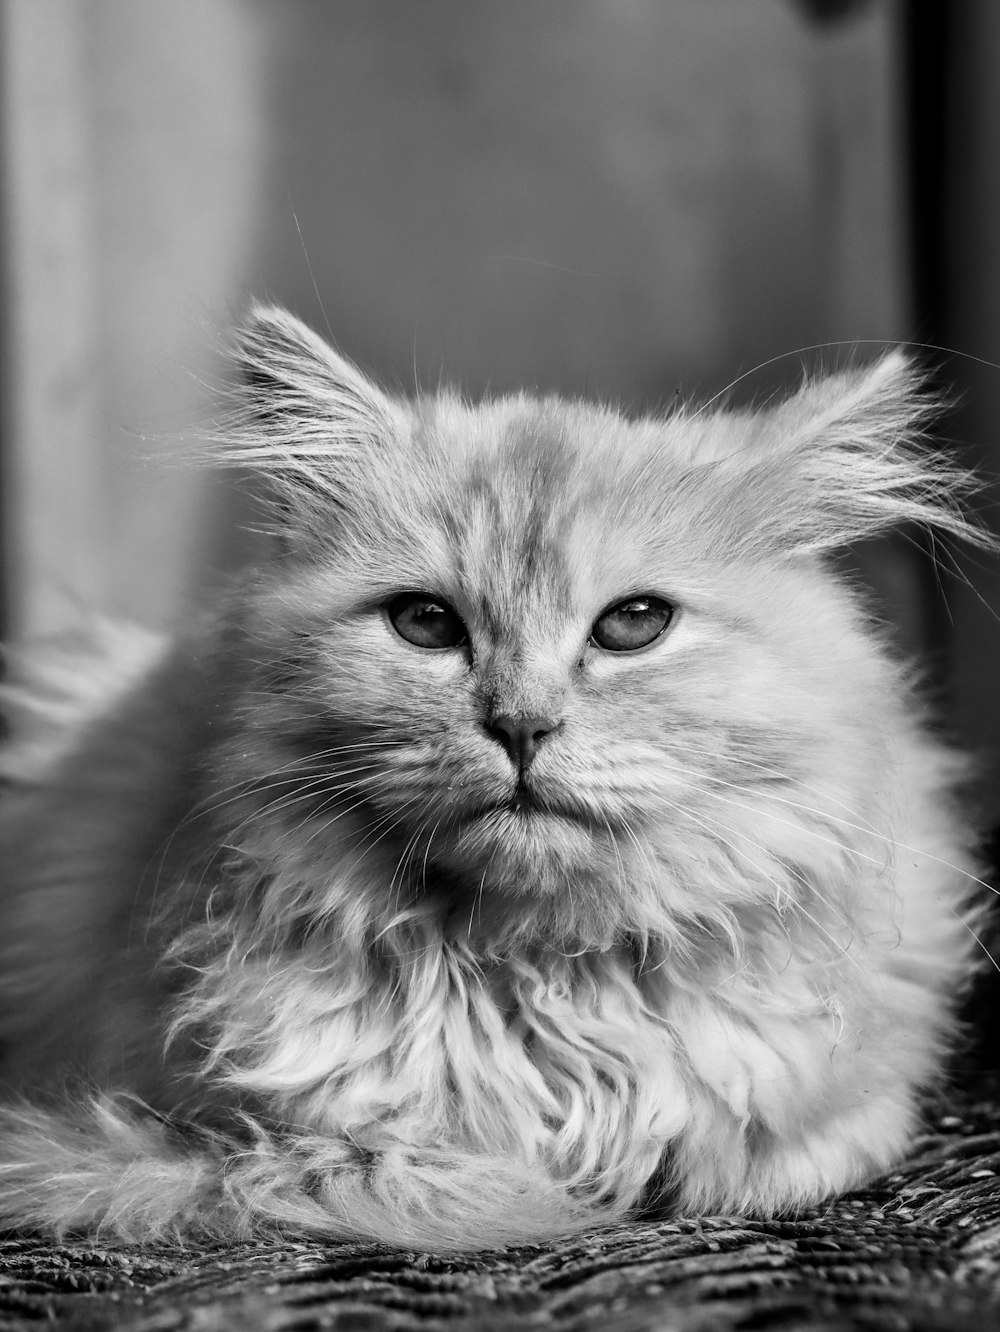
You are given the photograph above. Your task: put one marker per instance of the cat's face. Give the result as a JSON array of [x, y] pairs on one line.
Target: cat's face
[[536, 650], [528, 667]]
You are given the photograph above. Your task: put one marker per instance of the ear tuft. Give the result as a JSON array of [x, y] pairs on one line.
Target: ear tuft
[[306, 416], [847, 457]]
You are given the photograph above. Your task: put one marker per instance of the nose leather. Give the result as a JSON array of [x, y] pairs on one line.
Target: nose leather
[[521, 736]]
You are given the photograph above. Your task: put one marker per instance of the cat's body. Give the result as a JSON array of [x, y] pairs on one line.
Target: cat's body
[[545, 832]]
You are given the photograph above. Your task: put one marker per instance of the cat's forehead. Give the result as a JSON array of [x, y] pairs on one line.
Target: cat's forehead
[[537, 511], [521, 462], [521, 497], [516, 475]]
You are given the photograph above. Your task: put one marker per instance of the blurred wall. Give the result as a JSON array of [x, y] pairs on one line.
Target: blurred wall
[[615, 197], [620, 197], [133, 158]]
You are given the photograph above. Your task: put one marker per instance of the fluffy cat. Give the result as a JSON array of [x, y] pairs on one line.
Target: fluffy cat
[[544, 833]]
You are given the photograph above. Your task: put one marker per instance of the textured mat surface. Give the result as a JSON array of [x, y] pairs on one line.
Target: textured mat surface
[[918, 1249]]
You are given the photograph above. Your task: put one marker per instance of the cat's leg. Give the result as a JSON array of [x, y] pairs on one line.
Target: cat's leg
[[786, 1112], [750, 1169]]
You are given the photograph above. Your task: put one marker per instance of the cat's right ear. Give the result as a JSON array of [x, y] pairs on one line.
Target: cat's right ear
[[306, 418]]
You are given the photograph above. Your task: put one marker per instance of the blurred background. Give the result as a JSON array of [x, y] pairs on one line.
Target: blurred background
[[623, 198]]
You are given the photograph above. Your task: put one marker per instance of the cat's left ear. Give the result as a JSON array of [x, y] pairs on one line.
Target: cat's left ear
[[307, 418], [847, 457]]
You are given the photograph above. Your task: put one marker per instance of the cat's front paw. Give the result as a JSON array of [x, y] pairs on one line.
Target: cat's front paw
[[755, 1171]]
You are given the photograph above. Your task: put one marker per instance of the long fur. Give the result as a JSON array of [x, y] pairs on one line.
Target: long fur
[[280, 951]]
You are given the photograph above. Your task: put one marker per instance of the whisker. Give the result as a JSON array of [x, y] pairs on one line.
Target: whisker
[[890, 841], [298, 785], [824, 813]]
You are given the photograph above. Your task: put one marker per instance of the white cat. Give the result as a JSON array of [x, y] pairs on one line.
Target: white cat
[[543, 834]]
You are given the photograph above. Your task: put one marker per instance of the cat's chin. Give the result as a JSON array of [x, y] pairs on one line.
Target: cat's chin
[[519, 848]]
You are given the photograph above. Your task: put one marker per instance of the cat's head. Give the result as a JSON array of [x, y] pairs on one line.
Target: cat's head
[[535, 650]]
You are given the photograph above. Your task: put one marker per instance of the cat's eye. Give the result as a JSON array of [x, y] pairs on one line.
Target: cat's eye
[[426, 621], [632, 624]]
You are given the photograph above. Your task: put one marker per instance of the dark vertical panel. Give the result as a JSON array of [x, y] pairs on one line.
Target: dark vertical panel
[[5, 495], [926, 37], [964, 41]]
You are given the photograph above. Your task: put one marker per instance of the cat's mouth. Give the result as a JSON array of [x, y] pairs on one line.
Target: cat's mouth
[[527, 804], [529, 809], [522, 801]]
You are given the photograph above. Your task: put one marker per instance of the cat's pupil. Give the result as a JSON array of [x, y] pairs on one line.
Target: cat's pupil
[[632, 624], [426, 621]]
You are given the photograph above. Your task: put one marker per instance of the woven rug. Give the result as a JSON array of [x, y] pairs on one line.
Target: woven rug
[[919, 1248]]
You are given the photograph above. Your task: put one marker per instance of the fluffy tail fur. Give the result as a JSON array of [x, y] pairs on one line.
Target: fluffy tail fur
[[113, 1167]]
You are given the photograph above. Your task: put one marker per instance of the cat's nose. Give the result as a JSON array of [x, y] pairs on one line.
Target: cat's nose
[[521, 736]]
